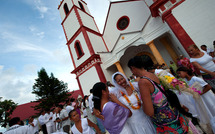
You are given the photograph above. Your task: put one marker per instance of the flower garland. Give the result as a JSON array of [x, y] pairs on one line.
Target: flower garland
[[129, 102]]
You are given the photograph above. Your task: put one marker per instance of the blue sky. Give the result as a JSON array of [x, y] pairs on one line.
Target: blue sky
[[31, 37]]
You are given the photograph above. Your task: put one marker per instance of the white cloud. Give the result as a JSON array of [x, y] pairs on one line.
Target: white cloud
[[20, 44], [41, 7], [1, 67], [16, 86], [41, 35], [34, 30], [98, 11]]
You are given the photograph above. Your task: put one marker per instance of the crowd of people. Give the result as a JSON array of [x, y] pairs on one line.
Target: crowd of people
[[138, 104]]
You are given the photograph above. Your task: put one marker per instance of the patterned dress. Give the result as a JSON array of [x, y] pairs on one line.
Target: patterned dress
[[166, 120]]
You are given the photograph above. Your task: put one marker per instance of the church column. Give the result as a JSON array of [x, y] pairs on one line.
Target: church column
[[119, 67], [156, 53], [178, 30], [168, 47]]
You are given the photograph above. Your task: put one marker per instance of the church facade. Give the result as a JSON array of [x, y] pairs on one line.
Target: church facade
[[157, 30]]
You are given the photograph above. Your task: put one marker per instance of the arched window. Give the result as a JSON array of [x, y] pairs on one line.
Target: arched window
[[81, 6], [66, 9], [78, 49]]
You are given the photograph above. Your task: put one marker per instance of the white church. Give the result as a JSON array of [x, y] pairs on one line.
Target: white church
[[158, 30]]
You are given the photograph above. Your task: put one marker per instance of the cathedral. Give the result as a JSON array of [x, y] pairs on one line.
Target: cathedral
[[157, 30]]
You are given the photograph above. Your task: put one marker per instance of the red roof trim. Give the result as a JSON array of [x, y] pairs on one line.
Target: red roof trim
[[24, 111], [110, 8]]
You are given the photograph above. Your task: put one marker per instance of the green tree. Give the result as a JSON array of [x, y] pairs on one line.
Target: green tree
[[6, 109], [49, 90]]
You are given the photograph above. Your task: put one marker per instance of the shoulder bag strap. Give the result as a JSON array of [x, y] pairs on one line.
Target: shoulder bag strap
[[155, 83]]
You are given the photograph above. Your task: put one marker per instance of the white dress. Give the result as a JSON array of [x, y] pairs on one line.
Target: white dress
[[85, 128], [187, 100], [139, 122], [208, 98], [206, 61]]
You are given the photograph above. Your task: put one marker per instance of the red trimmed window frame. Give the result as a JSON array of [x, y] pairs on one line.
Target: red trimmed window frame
[[65, 4], [77, 51], [81, 6], [120, 20]]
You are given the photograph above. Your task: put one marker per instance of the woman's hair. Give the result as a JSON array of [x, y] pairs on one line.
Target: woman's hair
[[115, 76], [97, 94], [70, 113], [85, 100], [139, 62], [194, 46], [185, 69]]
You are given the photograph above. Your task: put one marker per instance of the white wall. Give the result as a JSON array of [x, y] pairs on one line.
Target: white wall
[[71, 25], [149, 2], [87, 20], [198, 20], [97, 42], [88, 79]]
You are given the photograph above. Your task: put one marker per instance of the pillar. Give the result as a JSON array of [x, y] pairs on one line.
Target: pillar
[[156, 53], [119, 67], [178, 30], [168, 47]]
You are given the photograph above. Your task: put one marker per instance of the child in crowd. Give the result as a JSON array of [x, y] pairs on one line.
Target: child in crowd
[[82, 126], [206, 110]]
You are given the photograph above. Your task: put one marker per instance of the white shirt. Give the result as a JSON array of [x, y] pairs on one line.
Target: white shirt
[[69, 108], [64, 114], [206, 61], [197, 79], [41, 120], [91, 103], [17, 129], [86, 129], [47, 117], [33, 129]]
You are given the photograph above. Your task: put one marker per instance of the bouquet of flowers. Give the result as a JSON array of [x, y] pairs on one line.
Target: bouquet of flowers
[[170, 82]]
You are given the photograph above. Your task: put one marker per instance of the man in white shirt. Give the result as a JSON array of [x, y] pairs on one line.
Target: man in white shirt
[[49, 122], [69, 107], [33, 126], [64, 117], [42, 122], [15, 127]]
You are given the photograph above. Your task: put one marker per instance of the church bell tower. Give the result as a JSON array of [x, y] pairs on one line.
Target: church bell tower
[[84, 41]]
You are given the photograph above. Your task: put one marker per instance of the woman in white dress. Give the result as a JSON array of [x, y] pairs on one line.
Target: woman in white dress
[[204, 63], [128, 94]]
